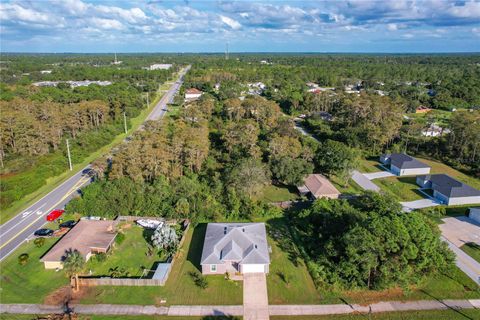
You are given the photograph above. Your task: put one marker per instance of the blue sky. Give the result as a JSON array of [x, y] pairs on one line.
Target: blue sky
[[206, 26]]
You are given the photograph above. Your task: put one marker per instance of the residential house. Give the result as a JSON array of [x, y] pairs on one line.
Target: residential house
[[448, 190], [474, 214], [435, 131], [46, 71], [404, 165], [235, 248], [192, 94], [159, 66], [422, 109], [318, 186], [87, 237]]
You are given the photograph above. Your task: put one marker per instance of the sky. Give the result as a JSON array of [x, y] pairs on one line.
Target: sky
[[247, 26]]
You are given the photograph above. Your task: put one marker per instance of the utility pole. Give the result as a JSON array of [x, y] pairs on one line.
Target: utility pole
[[69, 156], [148, 103], [125, 122], [226, 52]]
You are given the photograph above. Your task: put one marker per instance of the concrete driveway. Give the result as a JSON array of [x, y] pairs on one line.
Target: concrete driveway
[[460, 230], [378, 175], [255, 296], [418, 204], [364, 182]]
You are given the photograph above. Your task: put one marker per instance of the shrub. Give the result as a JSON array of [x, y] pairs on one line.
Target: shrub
[[23, 259], [39, 242], [120, 238], [199, 280]]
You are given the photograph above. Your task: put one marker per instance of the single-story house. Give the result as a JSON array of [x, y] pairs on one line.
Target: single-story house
[[403, 165], [474, 214], [192, 94], [318, 186], [448, 190], [235, 247], [422, 109], [87, 237]]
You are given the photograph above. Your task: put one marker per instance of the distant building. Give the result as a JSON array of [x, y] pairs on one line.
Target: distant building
[[435, 131], [448, 190], [115, 61], [87, 237], [46, 71], [160, 66], [73, 84], [403, 165], [422, 109], [256, 88], [318, 186], [192, 94]]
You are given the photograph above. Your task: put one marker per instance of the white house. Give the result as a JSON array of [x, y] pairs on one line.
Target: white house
[[160, 66], [448, 190], [404, 165]]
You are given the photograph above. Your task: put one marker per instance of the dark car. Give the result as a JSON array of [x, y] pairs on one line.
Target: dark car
[[68, 224], [88, 172], [43, 233]]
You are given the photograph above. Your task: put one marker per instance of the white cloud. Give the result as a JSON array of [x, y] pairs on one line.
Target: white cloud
[[230, 22], [106, 24], [392, 27]]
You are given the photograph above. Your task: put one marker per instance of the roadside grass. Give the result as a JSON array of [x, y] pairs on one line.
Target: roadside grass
[[130, 257], [278, 193], [472, 249], [29, 283], [288, 281], [400, 188], [54, 181], [180, 287], [449, 314]]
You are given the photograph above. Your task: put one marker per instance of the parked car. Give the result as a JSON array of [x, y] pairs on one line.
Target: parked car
[[43, 233], [55, 214], [88, 172], [68, 224]]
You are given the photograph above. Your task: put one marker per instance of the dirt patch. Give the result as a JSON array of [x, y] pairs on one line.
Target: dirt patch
[[368, 297], [8, 175], [66, 294]]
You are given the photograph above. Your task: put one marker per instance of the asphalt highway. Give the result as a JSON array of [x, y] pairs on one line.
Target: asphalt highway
[[15, 231]]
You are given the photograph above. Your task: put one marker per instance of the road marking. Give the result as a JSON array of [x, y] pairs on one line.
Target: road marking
[[24, 215], [66, 195]]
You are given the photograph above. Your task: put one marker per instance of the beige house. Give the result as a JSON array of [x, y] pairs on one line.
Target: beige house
[[192, 94], [88, 237], [318, 186]]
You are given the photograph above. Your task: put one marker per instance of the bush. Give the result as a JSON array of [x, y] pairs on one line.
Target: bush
[[120, 238], [199, 280], [23, 259], [39, 242], [101, 257]]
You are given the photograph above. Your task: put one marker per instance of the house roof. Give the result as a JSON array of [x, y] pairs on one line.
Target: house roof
[[84, 236], [193, 91], [245, 243], [449, 186], [319, 185], [404, 161]]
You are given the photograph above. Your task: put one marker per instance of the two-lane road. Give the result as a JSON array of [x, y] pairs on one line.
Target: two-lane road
[[22, 226]]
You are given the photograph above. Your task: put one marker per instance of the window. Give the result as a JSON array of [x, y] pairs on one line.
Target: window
[[213, 268]]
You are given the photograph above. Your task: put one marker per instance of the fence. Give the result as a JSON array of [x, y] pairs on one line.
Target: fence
[[163, 270]]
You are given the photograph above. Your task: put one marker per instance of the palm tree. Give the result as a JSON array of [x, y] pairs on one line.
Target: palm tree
[[73, 264]]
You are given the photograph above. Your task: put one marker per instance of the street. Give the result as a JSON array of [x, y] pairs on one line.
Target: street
[[22, 226]]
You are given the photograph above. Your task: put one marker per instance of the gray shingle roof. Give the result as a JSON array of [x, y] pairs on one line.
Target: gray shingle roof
[[449, 186], [404, 161], [245, 243]]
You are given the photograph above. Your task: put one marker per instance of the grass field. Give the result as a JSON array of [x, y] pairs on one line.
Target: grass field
[[130, 256], [451, 314], [472, 249], [400, 188], [273, 193], [54, 181], [441, 117]]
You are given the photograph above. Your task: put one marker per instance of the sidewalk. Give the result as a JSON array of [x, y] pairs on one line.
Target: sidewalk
[[274, 310]]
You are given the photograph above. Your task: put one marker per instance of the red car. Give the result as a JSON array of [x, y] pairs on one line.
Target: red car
[[55, 214]]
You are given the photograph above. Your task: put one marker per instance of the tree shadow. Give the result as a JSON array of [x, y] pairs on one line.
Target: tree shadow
[[459, 311], [220, 316], [278, 231], [196, 245], [147, 235]]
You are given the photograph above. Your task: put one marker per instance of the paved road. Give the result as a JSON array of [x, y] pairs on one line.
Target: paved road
[[467, 264], [418, 204], [22, 226], [273, 310], [378, 175]]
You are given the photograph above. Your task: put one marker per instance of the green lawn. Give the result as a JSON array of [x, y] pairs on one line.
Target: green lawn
[[464, 314], [129, 256], [273, 193], [350, 188], [472, 249], [370, 165], [30, 283], [400, 188], [442, 117], [180, 288], [288, 281]]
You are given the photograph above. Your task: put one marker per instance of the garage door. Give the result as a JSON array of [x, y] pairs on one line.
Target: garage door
[[250, 268]]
